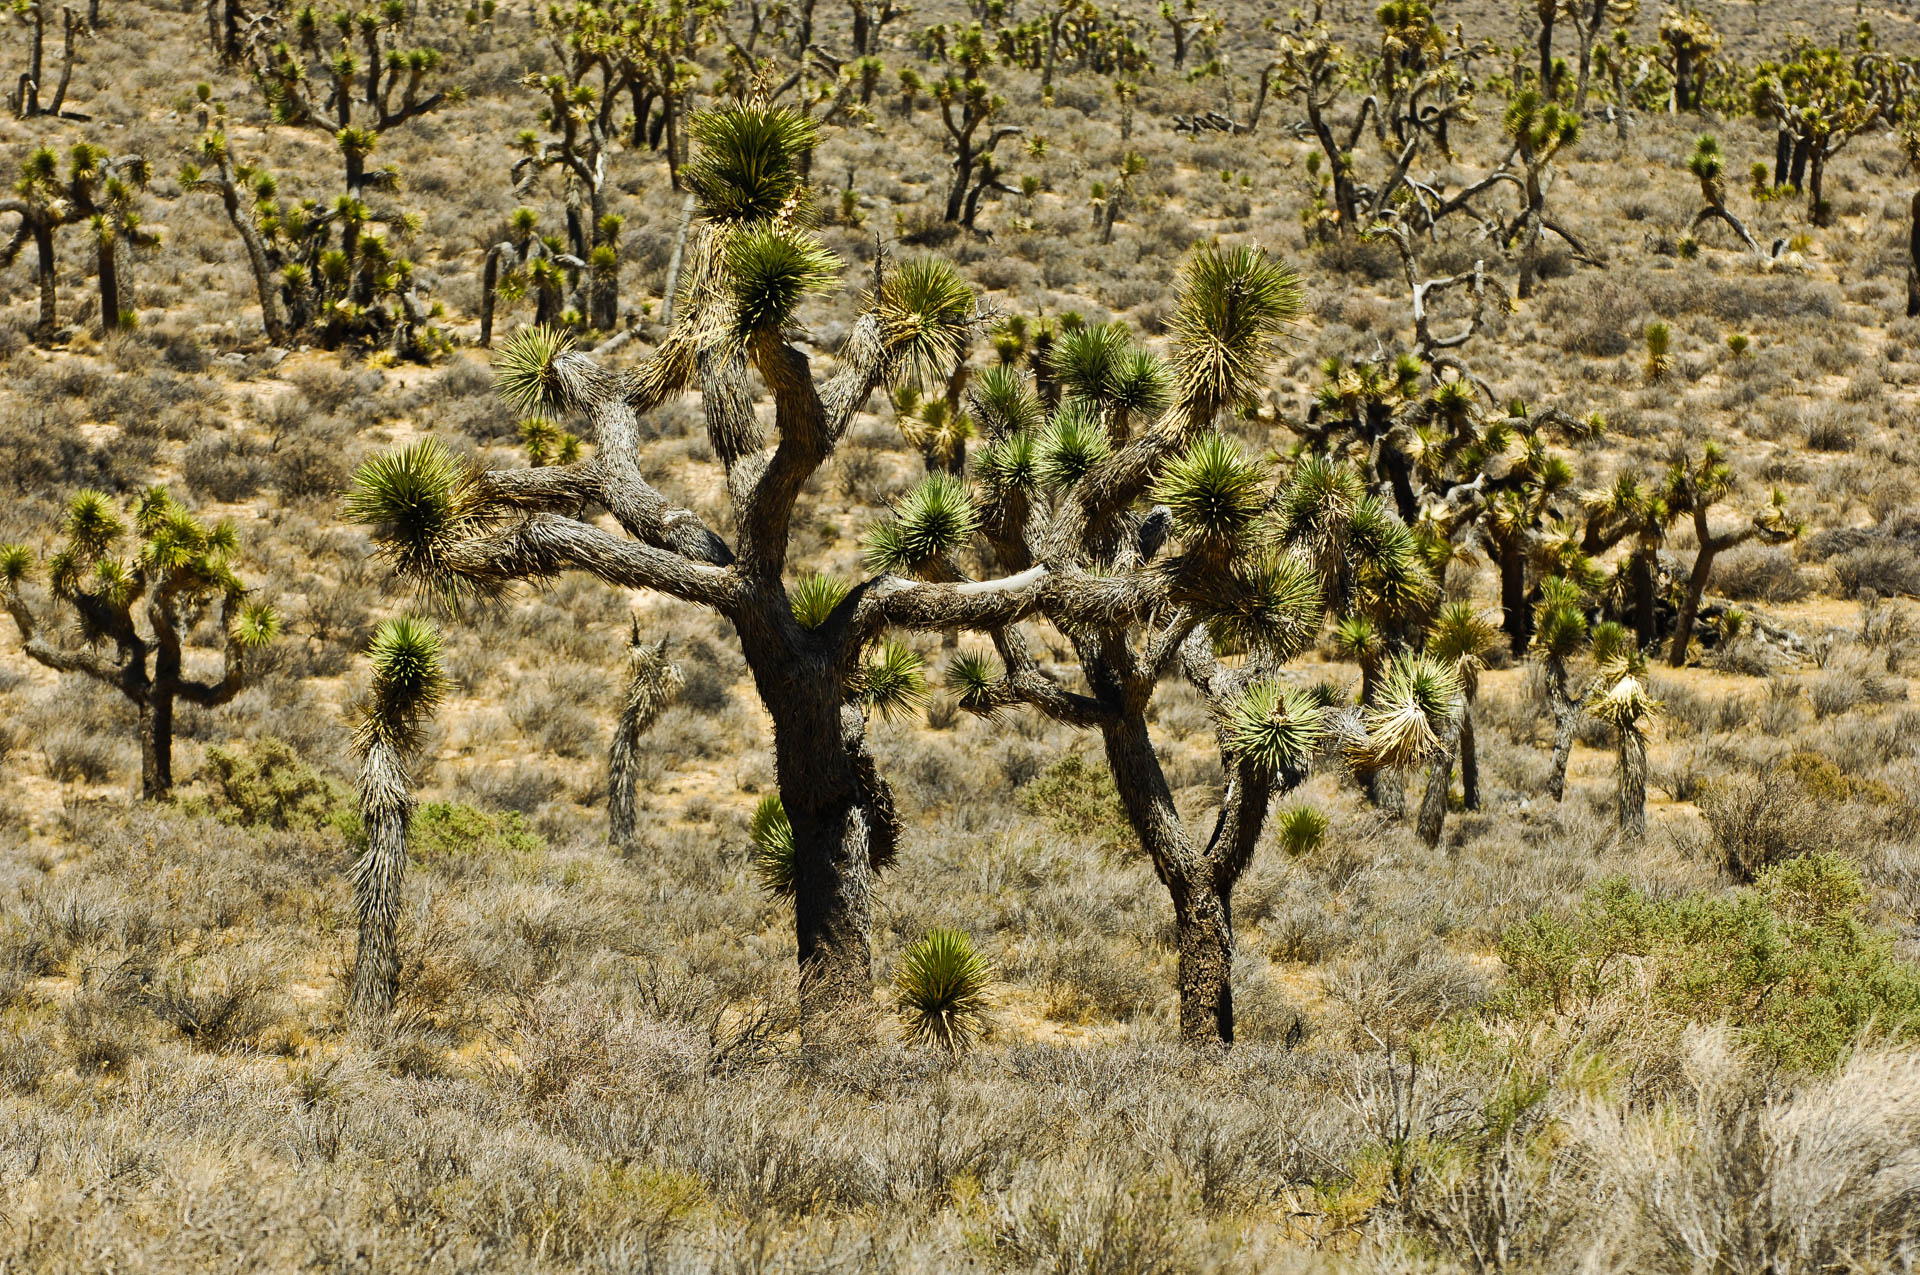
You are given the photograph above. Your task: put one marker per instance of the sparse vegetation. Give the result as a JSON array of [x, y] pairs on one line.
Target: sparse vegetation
[[1050, 636]]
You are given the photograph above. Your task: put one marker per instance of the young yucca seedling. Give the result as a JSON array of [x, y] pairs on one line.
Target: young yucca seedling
[[772, 852], [941, 991], [1659, 349], [814, 597], [1739, 344], [1302, 830]]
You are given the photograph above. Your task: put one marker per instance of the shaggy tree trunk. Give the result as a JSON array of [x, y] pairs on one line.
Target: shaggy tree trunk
[[1516, 617], [651, 682], [1203, 919], [156, 745], [1817, 211], [1690, 603], [1913, 259], [1431, 820], [1633, 787], [1640, 571], [107, 267], [1469, 760], [386, 806], [44, 275]]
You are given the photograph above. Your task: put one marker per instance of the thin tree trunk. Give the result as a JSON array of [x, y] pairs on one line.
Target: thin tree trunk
[[1469, 760], [386, 806], [45, 275], [675, 262], [1640, 571], [1633, 787], [1913, 259], [1432, 818], [651, 682], [107, 268], [156, 746], [1515, 616]]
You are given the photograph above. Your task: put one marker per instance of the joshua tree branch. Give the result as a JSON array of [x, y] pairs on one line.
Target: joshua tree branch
[[545, 545]]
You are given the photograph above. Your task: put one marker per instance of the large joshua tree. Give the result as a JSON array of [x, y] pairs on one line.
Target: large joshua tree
[[751, 263], [408, 683], [1128, 472], [1540, 129], [143, 607]]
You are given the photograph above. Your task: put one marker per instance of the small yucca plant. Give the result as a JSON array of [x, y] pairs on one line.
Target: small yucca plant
[[941, 991], [772, 853], [1302, 830], [1739, 344], [1659, 349]]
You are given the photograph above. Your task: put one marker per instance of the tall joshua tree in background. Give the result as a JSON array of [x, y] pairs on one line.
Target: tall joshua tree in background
[[143, 606], [408, 683], [1129, 472], [751, 262], [1540, 130], [1458, 640], [652, 683], [1619, 698]]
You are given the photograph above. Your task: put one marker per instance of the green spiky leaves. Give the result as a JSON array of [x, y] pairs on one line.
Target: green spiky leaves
[[1233, 304], [419, 501], [1461, 636], [926, 314], [409, 681], [941, 991], [1213, 491], [1301, 830], [891, 682], [746, 161], [93, 525], [1271, 602], [1004, 403], [523, 368], [974, 680], [1416, 702], [771, 851], [1074, 444], [1010, 465], [814, 597], [16, 564], [1626, 705], [929, 524], [255, 626], [771, 269], [1274, 727]]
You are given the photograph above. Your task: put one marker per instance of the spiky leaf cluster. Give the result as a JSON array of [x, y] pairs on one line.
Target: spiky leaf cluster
[[1416, 701], [772, 851], [523, 368], [1074, 444], [1275, 727], [1270, 602], [929, 524], [1301, 830], [1212, 489], [926, 313], [770, 270], [814, 597], [1232, 305], [746, 164], [891, 681], [941, 991], [420, 503], [409, 681]]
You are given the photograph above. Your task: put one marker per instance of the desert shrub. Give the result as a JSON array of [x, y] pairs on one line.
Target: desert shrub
[[79, 756], [266, 784], [1884, 567], [1079, 799], [223, 467], [1758, 821], [309, 467], [445, 829], [1792, 964], [214, 1007], [1759, 573]]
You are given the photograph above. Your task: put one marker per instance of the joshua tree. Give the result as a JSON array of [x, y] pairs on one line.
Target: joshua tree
[[95, 185], [1690, 41], [523, 258], [1119, 193], [1244, 567], [578, 148], [1819, 104], [1311, 65], [1189, 25], [1693, 489], [1540, 130], [1559, 634], [358, 69], [337, 277], [1459, 639], [1588, 17], [1619, 698], [25, 98], [143, 606], [751, 263], [113, 222], [652, 682], [408, 683], [967, 105], [1706, 164]]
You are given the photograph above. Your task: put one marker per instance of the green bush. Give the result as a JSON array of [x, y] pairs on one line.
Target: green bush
[[1793, 964], [1079, 799], [448, 829], [264, 784]]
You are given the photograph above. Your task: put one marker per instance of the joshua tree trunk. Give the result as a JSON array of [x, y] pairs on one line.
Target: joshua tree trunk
[[1913, 259], [386, 806], [44, 275], [1432, 818], [1516, 618], [1203, 917], [651, 682], [1566, 717], [107, 267], [156, 745], [1640, 570], [1817, 169], [1469, 760], [1633, 787], [1690, 602]]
